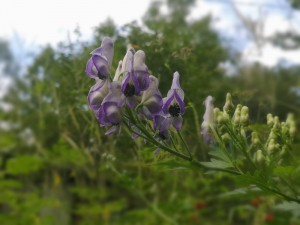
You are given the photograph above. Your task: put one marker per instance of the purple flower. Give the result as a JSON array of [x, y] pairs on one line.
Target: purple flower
[[174, 106], [140, 70], [162, 124], [110, 112], [97, 93], [151, 99], [99, 64], [136, 76]]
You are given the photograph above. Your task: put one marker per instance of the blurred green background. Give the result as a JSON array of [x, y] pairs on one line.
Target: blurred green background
[[57, 167]]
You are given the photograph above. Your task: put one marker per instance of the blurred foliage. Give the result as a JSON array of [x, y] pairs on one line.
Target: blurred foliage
[[57, 167]]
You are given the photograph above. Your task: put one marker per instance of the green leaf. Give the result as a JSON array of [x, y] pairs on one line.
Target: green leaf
[[284, 170], [219, 155], [23, 165], [217, 164]]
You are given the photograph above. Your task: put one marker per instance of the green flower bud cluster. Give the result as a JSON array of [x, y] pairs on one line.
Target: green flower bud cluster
[[279, 139]]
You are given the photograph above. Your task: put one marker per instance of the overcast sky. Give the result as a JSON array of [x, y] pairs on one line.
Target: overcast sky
[[37, 22]]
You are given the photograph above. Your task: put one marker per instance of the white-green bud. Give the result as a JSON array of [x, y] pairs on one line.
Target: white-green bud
[[290, 118], [272, 134], [270, 120], [228, 107], [216, 112], [292, 130], [243, 133], [285, 128], [237, 115], [272, 146], [276, 123], [226, 137], [255, 138], [245, 116], [259, 157]]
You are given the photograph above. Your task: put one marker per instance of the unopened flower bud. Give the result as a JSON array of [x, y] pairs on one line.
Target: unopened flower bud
[[284, 128], [290, 118], [216, 112], [243, 133], [221, 117], [276, 123], [272, 135], [292, 130], [237, 115], [272, 147], [245, 116], [254, 138], [259, 157], [228, 107], [226, 137], [270, 120]]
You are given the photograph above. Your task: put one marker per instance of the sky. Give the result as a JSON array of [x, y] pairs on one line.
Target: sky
[[32, 23]]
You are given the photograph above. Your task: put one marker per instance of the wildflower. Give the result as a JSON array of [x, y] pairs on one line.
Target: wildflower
[[174, 106], [151, 99], [136, 76], [99, 64], [208, 119], [97, 93], [110, 112], [141, 71]]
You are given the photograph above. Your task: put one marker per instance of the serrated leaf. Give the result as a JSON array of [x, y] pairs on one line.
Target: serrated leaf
[[219, 155], [214, 163]]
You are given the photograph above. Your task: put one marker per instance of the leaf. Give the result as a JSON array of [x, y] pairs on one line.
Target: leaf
[[23, 165], [219, 154], [217, 164], [175, 165], [284, 170]]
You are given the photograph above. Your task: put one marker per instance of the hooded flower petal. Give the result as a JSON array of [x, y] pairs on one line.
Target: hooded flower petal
[[110, 112], [174, 104], [141, 70], [99, 64], [97, 93], [151, 98]]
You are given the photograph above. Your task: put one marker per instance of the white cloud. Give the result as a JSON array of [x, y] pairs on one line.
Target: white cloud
[[49, 21]]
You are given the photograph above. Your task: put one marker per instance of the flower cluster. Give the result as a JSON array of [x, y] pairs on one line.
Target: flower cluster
[[132, 89], [231, 127]]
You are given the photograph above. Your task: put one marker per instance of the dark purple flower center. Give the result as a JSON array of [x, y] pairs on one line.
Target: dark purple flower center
[[101, 73], [129, 90], [174, 110], [163, 135]]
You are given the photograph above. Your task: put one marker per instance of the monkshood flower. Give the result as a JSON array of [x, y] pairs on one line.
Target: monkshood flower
[[97, 93], [110, 112], [136, 76], [99, 64], [151, 103], [174, 106], [208, 120]]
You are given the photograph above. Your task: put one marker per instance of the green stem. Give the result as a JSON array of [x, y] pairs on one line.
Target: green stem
[[185, 145]]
